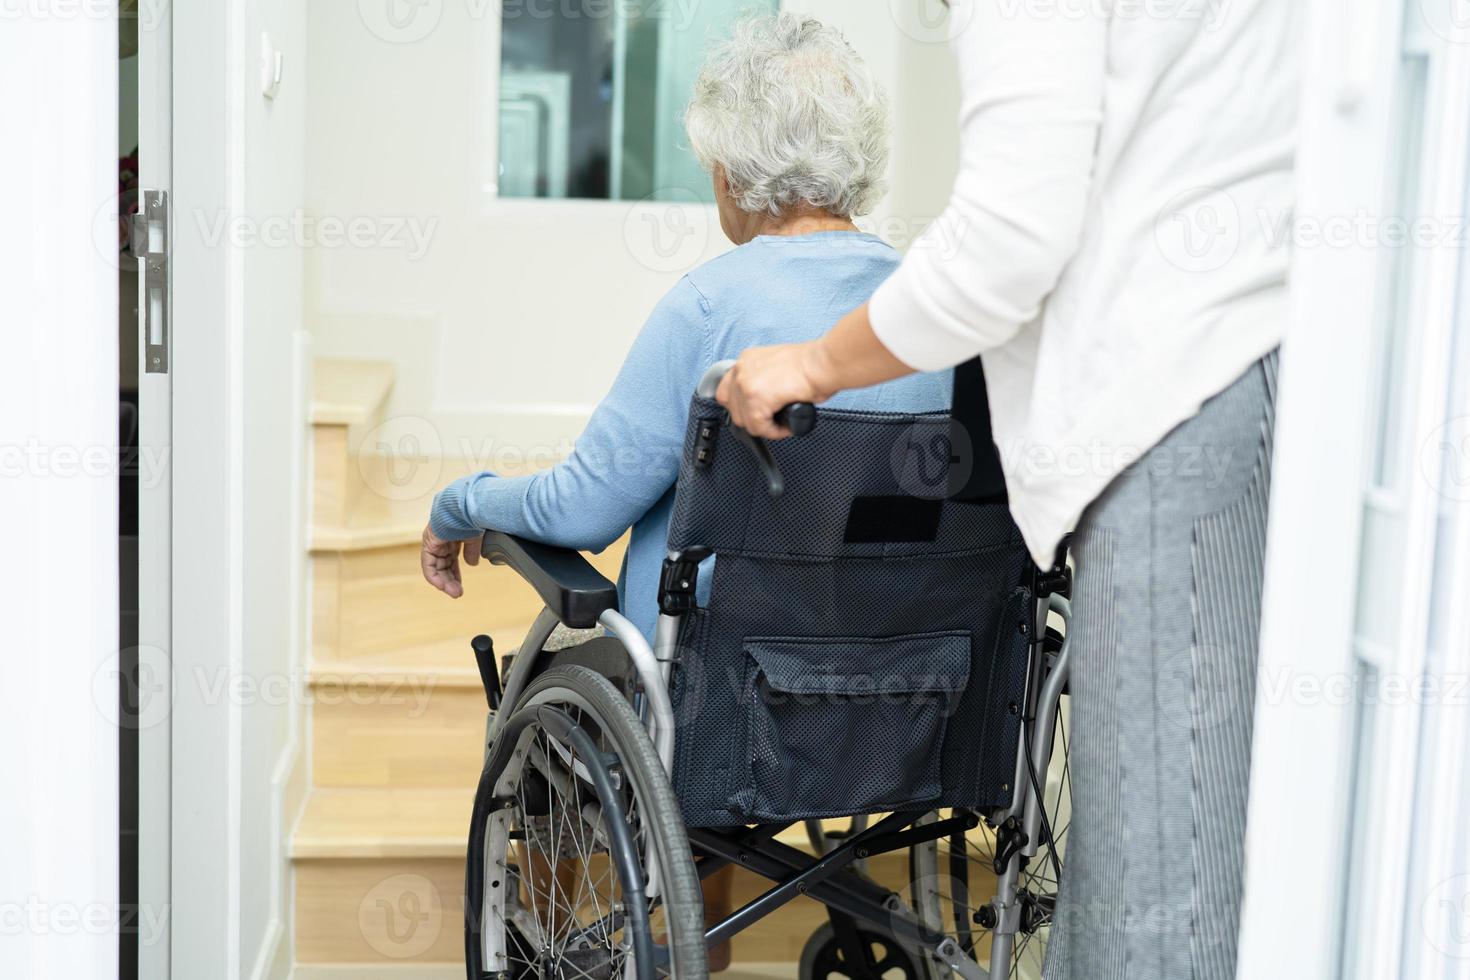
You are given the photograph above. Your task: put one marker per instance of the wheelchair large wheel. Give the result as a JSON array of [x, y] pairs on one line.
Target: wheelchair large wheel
[[953, 881], [578, 863]]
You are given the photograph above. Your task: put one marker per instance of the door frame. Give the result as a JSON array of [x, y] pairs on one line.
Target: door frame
[[155, 684], [207, 93], [1345, 798], [1311, 569], [189, 516]]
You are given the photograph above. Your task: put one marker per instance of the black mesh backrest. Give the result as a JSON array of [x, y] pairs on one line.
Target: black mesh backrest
[[875, 461], [860, 574]]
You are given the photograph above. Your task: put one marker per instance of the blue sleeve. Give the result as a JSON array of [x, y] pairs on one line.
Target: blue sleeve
[[623, 462]]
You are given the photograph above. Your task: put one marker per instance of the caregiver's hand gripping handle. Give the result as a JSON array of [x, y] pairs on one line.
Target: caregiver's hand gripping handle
[[799, 418]]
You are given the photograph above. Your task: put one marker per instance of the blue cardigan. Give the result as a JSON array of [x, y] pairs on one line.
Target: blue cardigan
[[621, 473]]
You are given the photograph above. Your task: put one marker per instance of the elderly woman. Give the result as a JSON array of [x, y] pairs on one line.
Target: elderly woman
[[793, 131]]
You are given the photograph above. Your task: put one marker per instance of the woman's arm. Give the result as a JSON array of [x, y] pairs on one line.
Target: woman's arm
[[623, 462], [1032, 81]]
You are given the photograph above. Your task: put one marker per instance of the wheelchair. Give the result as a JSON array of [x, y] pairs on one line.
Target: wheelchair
[[869, 649]]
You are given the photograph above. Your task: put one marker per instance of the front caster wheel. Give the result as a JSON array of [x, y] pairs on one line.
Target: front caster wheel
[[826, 958]]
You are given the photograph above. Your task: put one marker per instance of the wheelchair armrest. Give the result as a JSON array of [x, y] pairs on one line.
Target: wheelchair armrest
[[566, 582]]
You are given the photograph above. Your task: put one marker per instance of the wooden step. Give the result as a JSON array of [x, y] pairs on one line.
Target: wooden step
[[386, 731], [451, 661], [392, 823], [379, 879], [348, 392], [367, 603], [391, 910], [379, 874], [346, 396], [390, 498], [374, 601]]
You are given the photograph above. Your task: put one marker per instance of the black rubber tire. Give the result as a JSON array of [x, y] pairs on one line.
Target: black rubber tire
[[622, 733], [818, 950]]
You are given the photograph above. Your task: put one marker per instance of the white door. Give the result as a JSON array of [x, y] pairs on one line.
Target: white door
[[1357, 864], [59, 804]]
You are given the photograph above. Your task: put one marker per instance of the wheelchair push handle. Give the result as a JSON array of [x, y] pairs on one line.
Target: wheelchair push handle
[[799, 417]]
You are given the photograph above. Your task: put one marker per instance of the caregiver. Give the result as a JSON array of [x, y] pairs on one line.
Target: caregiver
[[1123, 168]]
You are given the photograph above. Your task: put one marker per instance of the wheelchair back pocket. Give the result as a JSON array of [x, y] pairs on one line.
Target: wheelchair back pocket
[[838, 726]]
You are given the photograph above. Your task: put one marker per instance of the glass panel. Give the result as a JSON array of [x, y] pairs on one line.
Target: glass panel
[[1438, 842], [1395, 317], [592, 96], [1363, 791], [1380, 568]]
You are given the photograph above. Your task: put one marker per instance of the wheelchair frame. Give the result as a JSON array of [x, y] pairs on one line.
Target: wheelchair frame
[[829, 877]]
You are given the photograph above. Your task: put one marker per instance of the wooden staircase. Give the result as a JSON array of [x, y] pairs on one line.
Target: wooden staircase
[[397, 713]]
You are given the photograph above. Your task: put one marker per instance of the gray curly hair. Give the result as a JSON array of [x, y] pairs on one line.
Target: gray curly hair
[[790, 113]]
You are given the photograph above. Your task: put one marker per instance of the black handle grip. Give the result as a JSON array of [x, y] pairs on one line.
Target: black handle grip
[[799, 417], [484, 649]]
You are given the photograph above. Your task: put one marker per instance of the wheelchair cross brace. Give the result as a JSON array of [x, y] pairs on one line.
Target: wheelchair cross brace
[[826, 880]]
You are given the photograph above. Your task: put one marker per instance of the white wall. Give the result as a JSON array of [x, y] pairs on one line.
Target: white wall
[[239, 479], [274, 347], [508, 318], [58, 499]]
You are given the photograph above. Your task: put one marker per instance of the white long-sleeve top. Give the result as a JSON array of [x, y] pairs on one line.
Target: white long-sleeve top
[[1123, 219]]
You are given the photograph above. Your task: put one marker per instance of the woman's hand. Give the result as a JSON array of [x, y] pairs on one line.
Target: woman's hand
[[767, 379], [440, 561]]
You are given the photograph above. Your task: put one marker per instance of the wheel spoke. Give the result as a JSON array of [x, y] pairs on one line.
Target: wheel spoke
[[573, 894], [1037, 884]]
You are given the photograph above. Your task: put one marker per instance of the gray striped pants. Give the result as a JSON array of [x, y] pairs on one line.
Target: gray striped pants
[[1166, 612]]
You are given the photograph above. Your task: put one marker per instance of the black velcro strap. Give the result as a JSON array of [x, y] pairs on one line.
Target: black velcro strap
[[892, 520], [979, 479]]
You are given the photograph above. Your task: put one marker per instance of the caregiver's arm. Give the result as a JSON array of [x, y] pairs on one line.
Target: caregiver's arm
[[623, 462], [1031, 81]]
